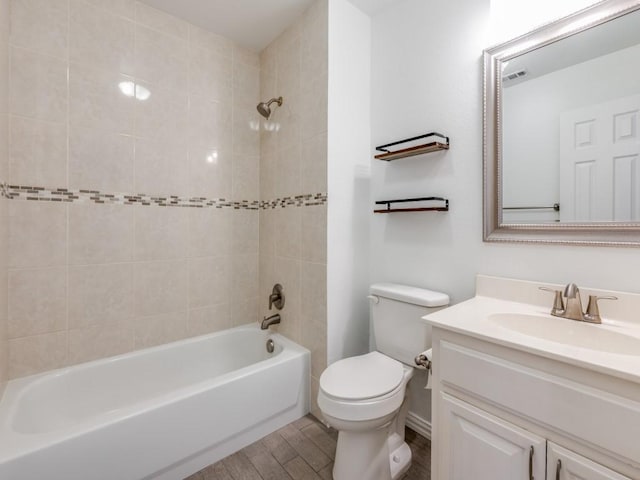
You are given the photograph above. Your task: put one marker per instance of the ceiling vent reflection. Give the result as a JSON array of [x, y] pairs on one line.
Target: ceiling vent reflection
[[131, 89]]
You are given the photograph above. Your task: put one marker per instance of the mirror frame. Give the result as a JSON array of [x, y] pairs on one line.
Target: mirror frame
[[494, 230]]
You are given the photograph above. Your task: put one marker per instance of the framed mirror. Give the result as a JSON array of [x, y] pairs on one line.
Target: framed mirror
[[562, 131]]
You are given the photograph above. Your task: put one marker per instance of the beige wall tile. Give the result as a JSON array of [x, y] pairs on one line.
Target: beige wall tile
[[37, 301], [314, 40], [288, 120], [100, 294], [246, 57], [244, 276], [209, 281], [100, 160], [314, 164], [37, 353], [161, 21], [38, 86], [4, 208], [41, 26], [160, 329], [161, 233], [288, 68], [268, 225], [210, 124], [210, 75], [209, 232], [315, 389], [269, 171], [99, 341], [209, 319], [100, 39], [124, 8], [288, 180], [96, 102], [246, 127], [314, 338], [160, 167], [313, 106], [100, 233], [314, 293], [245, 236], [201, 38], [38, 153], [286, 271], [246, 83], [164, 115], [245, 311], [37, 234], [288, 232], [314, 234], [210, 171], [246, 177], [161, 60], [160, 287]]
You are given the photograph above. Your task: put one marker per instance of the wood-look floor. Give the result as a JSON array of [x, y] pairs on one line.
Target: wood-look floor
[[303, 450]]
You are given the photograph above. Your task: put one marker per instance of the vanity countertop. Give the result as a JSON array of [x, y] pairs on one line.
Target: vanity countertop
[[515, 314]]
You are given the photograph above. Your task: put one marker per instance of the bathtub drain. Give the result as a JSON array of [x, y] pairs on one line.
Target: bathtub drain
[[270, 346]]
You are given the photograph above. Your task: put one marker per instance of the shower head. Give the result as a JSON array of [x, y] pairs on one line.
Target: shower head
[[264, 108]]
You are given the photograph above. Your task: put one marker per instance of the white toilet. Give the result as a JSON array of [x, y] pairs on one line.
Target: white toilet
[[365, 397]]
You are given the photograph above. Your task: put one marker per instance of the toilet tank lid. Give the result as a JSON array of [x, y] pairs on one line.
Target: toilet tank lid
[[408, 294]]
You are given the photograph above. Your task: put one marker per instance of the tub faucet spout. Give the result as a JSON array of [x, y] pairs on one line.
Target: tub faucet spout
[[268, 321]]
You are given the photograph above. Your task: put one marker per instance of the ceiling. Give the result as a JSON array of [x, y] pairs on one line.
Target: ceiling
[[254, 24], [250, 23]]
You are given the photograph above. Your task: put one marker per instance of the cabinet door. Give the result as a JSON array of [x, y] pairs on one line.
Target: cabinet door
[[575, 467], [479, 446]]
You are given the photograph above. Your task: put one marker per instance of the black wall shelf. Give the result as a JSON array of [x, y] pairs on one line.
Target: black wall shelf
[[429, 146], [422, 204]]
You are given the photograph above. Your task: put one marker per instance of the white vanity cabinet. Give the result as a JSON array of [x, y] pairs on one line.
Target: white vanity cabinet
[[500, 413], [477, 445]]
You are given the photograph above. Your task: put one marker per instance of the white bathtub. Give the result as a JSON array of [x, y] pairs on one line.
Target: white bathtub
[[163, 412]]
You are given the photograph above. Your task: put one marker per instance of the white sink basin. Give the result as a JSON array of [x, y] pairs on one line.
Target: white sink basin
[[568, 332]]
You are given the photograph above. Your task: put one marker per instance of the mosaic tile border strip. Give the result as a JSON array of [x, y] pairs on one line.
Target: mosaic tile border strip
[[21, 192]]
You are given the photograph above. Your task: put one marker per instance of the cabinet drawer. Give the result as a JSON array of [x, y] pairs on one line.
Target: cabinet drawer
[[605, 420]]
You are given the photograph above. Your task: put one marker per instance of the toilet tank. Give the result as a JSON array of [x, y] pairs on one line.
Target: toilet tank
[[396, 319]]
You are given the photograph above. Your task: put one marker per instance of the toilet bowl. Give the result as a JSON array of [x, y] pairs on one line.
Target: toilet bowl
[[361, 397], [365, 397]]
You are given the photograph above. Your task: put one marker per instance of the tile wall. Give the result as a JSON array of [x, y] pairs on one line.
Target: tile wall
[[103, 258], [4, 208], [293, 161]]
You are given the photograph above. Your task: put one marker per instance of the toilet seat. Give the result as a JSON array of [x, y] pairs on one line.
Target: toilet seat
[[363, 388]]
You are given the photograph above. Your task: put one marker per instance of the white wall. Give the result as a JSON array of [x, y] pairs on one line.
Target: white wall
[[348, 176], [427, 74]]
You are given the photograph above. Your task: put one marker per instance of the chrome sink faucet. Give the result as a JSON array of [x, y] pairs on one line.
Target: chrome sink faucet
[[572, 309]]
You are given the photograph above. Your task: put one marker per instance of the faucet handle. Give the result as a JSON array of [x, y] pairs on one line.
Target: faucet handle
[[592, 315], [558, 303], [277, 297]]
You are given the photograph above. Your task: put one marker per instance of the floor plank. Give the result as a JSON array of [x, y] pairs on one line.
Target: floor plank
[[321, 438], [305, 447], [300, 470], [303, 450], [240, 467]]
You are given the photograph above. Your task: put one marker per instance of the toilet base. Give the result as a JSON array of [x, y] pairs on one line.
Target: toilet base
[[400, 461], [371, 455]]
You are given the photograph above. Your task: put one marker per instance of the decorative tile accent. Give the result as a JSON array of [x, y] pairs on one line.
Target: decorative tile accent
[[22, 192]]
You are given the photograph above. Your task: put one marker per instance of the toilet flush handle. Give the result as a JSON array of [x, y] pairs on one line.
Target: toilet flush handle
[[374, 299]]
